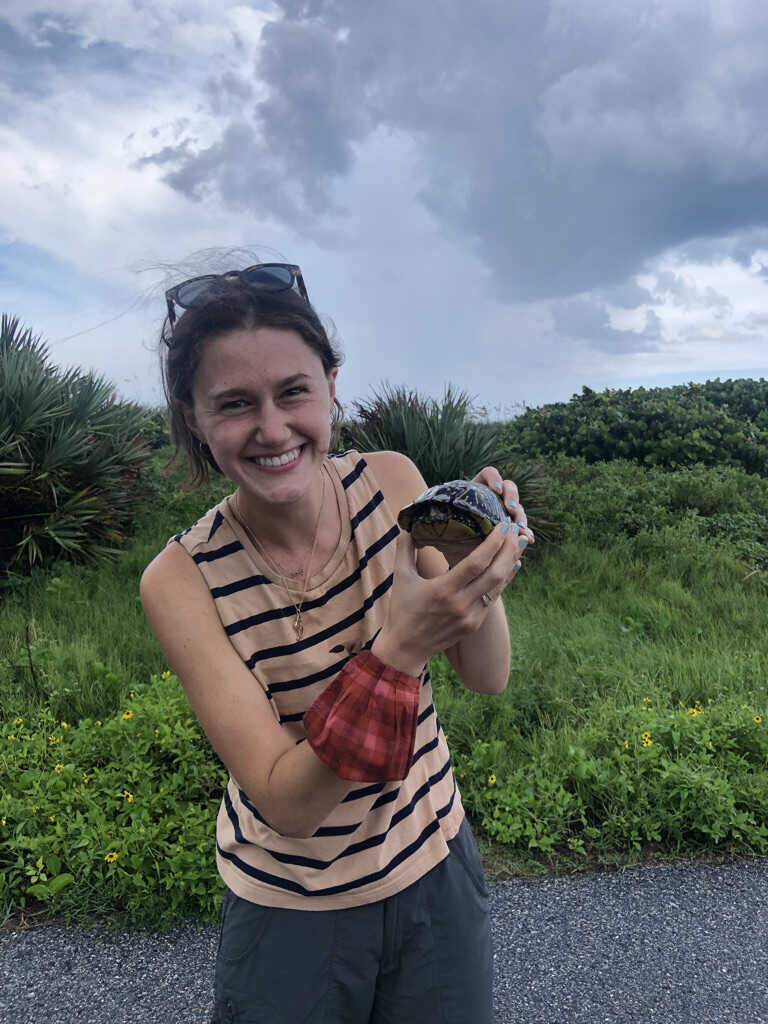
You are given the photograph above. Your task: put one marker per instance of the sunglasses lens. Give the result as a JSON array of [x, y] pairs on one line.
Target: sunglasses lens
[[192, 291], [274, 279]]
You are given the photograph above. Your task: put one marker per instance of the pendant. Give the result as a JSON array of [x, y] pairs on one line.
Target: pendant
[[298, 625]]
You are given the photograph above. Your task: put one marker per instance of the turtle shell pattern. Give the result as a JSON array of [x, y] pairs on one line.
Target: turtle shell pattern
[[456, 512]]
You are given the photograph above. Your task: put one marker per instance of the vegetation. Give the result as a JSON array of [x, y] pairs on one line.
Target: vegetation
[[717, 423], [71, 457], [446, 442], [634, 725]]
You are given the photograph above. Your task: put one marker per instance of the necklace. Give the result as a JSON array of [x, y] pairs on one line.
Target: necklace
[[298, 625]]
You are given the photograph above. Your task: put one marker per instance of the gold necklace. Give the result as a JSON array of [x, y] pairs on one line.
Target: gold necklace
[[298, 625]]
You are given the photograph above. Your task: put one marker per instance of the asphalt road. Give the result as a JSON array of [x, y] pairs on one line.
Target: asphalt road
[[679, 945]]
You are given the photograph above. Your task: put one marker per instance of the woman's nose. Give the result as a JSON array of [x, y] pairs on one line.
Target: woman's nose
[[271, 427]]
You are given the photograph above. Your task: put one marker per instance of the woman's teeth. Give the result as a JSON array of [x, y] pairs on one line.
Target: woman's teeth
[[279, 460]]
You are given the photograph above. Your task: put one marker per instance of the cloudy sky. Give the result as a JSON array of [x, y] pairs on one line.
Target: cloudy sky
[[519, 197]]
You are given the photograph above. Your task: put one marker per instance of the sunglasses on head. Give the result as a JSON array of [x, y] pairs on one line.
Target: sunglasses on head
[[271, 277]]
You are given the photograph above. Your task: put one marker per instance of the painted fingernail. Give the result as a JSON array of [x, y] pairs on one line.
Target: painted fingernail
[[511, 504], [505, 527], [516, 566], [496, 485], [523, 543]]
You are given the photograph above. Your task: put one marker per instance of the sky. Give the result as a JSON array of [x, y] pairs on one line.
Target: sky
[[516, 198]]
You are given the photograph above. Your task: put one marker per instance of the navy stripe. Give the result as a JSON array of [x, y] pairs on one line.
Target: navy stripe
[[350, 478], [316, 638], [237, 585], [218, 519], [287, 610], [366, 510], [301, 890], [298, 860], [358, 794], [222, 552]]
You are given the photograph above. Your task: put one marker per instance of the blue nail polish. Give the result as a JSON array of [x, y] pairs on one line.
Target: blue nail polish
[[511, 504], [505, 527], [523, 543], [496, 486]]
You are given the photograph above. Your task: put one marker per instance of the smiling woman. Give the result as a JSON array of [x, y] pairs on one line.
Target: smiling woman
[[300, 622]]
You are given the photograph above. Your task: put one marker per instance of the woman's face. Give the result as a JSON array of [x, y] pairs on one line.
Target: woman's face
[[262, 403]]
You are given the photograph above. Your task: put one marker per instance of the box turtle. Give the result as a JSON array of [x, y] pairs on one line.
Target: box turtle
[[459, 512]]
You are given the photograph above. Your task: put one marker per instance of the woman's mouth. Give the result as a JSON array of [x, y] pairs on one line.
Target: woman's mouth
[[278, 462]]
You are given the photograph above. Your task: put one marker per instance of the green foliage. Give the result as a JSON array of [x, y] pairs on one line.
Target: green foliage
[[719, 505], [111, 818], [71, 458], [720, 422], [446, 443]]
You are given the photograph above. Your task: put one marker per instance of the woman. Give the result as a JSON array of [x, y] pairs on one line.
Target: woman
[[300, 622]]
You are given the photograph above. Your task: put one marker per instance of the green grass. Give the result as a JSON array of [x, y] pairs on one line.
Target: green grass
[[660, 632]]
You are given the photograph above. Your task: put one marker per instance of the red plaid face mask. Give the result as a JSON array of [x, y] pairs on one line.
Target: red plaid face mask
[[363, 725]]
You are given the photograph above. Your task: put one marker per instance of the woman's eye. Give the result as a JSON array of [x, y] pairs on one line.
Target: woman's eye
[[234, 403], [294, 392]]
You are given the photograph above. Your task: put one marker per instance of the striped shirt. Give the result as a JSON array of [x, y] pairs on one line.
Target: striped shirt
[[382, 837]]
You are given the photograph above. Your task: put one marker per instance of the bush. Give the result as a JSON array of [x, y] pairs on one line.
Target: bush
[[720, 422], [446, 443], [112, 818], [71, 458]]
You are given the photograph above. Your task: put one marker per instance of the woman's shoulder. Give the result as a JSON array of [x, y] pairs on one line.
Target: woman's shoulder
[[397, 475]]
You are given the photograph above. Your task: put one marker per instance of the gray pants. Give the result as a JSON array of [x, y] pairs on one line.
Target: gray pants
[[422, 956]]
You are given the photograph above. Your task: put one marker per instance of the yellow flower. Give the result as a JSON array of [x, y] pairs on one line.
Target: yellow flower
[[111, 857], [2, 821], [18, 721], [85, 779], [757, 719], [127, 796], [51, 818], [11, 736], [164, 675], [98, 724], [626, 744], [462, 775], [491, 780], [35, 808], [646, 738], [59, 769], [64, 725], [127, 714], [131, 693], [693, 711]]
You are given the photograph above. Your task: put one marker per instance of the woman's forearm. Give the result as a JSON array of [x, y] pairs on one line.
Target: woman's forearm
[[481, 660]]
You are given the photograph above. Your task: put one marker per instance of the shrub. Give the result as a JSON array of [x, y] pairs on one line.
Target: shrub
[[720, 422], [111, 817], [71, 457], [445, 442]]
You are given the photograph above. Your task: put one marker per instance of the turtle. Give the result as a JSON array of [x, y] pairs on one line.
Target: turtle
[[459, 512]]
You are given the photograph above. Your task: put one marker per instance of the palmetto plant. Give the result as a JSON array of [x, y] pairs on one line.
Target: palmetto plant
[[70, 457], [444, 441]]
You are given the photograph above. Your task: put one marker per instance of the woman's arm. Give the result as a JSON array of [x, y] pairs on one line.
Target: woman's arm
[[480, 658], [292, 788]]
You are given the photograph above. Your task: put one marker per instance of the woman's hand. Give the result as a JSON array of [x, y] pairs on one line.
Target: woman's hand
[[426, 616], [510, 497]]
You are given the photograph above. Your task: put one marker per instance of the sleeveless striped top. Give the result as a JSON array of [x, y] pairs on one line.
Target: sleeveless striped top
[[382, 837]]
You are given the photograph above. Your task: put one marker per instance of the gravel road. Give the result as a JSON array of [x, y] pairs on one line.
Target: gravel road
[[679, 945]]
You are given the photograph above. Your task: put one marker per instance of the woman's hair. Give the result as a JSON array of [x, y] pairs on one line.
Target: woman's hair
[[233, 306]]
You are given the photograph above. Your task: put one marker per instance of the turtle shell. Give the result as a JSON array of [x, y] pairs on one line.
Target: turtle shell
[[457, 512]]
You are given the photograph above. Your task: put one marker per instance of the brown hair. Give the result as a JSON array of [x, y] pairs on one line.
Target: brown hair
[[233, 306]]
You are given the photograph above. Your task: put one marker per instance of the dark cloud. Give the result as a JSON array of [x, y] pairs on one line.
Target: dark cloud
[[587, 320], [569, 143]]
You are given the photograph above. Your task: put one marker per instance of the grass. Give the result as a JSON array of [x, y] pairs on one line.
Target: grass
[[634, 727]]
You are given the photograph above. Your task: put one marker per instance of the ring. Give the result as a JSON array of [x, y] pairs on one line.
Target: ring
[[485, 599]]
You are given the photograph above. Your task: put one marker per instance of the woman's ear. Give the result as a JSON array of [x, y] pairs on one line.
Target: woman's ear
[[332, 374]]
